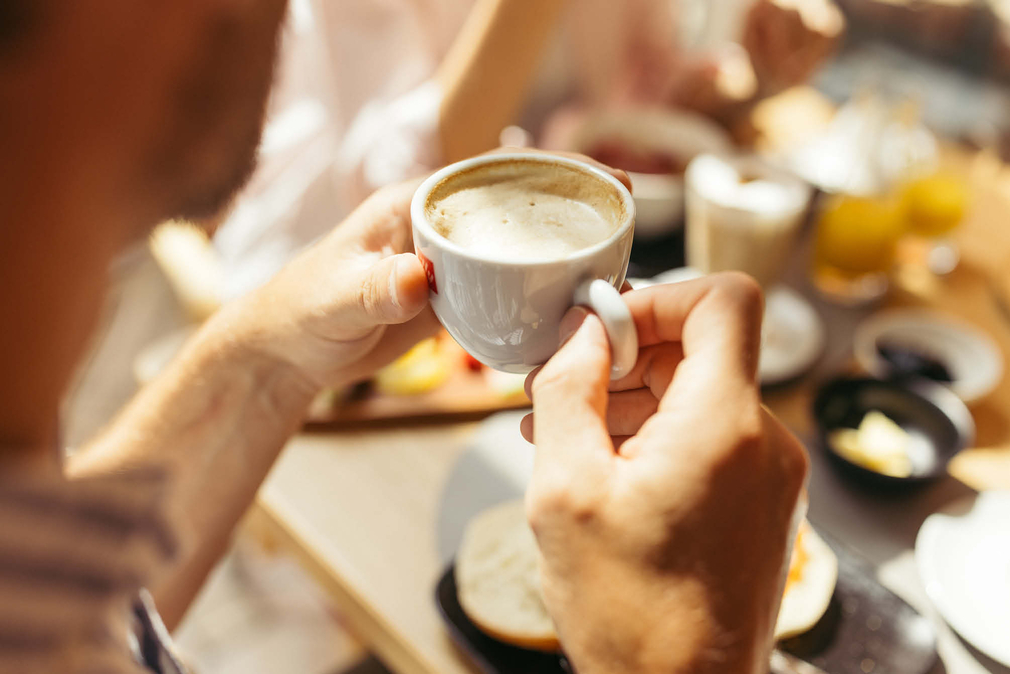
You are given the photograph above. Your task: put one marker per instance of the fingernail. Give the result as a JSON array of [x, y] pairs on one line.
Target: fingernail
[[571, 322]]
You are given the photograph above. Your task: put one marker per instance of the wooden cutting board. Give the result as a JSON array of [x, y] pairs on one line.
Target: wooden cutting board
[[464, 394]]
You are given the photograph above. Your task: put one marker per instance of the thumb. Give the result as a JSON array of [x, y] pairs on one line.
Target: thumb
[[570, 394], [391, 291]]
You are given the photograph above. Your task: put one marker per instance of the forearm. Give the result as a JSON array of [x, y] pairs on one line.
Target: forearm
[[487, 71], [218, 417]]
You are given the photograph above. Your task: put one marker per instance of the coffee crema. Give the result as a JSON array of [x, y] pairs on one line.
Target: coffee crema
[[525, 210]]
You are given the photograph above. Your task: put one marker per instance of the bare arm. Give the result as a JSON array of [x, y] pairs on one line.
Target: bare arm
[[219, 417], [486, 74], [223, 410]]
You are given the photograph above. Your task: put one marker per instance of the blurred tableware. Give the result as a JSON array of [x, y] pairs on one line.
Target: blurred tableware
[[937, 423], [907, 361], [488, 654], [963, 555], [868, 148], [934, 206], [867, 628], [652, 144], [972, 359], [742, 214], [793, 336], [855, 245]]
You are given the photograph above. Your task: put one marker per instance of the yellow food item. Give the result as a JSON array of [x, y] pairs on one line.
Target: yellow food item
[[192, 266], [421, 369], [936, 204], [813, 573], [878, 444], [859, 235]]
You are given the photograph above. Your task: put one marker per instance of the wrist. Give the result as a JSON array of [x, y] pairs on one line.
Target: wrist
[[238, 337], [670, 628]]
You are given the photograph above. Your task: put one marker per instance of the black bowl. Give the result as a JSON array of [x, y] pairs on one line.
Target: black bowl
[[938, 421]]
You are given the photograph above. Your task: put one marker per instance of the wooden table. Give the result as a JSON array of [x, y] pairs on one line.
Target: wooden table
[[360, 506]]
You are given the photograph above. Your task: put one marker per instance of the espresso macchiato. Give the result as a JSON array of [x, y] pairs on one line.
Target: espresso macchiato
[[524, 210]]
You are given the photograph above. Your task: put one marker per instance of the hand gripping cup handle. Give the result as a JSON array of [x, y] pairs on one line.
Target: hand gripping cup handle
[[605, 301]]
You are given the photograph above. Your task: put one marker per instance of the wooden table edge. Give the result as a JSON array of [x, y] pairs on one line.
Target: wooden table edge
[[363, 620]]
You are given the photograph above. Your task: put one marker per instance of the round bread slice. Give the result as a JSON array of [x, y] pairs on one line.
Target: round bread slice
[[813, 572], [498, 579]]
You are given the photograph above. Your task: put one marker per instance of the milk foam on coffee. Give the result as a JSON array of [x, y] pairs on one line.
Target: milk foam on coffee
[[524, 210]]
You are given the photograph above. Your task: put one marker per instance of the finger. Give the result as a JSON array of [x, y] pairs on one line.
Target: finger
[[619, 442], [628, 410], [528, 384], [381, 222], [391, 291], [526, 428], [653, 370], [716, 319], [570, 397], [396, 340]]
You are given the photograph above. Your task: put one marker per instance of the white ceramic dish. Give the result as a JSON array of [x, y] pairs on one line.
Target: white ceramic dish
[[974, 360], [659, 198], [963, 556], [792, 336]]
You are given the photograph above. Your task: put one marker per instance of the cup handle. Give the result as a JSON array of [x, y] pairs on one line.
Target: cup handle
[[606, 303]]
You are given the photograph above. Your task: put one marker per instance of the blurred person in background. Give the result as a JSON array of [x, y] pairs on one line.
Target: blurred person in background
[[445, 77], [119, 114]]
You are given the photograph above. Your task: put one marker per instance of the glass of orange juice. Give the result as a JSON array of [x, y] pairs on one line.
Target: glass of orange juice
[[856, 240], [934, 206]]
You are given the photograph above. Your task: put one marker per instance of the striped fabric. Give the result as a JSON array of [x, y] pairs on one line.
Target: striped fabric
[[74, 557]]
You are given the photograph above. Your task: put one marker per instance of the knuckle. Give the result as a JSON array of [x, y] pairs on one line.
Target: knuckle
[[742, 291], [795, 460], [556, 496], [751, 430], [553, 377], [369, 296]]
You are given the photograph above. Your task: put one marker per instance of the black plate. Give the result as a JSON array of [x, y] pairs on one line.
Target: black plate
[[865, 623], [938, 419], [490, 655]]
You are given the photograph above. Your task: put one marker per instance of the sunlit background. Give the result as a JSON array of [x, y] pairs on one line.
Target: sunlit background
[[849, 156]]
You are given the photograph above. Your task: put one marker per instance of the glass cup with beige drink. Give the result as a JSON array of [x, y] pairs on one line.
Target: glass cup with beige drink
[[510, 242], [745, 215], [742, 214]]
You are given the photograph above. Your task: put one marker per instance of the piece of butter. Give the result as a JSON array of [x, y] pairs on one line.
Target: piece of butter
[[878, 444]]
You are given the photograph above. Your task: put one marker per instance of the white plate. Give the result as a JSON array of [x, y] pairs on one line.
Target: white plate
[[792, 336], [963, 555], [974, 360]]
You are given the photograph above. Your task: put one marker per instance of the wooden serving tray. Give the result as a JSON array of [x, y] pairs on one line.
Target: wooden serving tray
[[465, 393]]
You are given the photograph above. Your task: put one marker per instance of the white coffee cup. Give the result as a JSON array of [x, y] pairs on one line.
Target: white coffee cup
[[507, 312]]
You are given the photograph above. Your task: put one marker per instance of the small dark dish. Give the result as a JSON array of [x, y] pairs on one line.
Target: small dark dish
[[906, 362], [938, 421], [489, 655]]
